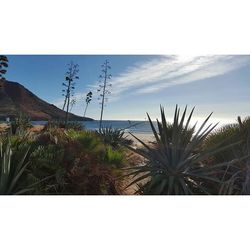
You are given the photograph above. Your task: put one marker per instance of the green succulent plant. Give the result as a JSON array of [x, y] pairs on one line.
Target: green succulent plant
[[113, 137], [11, 172], [174, 165]]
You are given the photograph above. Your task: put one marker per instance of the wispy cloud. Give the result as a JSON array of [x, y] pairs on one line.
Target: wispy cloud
[[166, 71], [162, 72]]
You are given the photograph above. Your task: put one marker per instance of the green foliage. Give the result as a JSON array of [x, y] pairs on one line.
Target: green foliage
[[76, 162], [88, 140], [114, 157], [46, 158], [61, 124], [12, 172], [46, 165], [175, 164], [239, 154], [230, 134], [113, 137]]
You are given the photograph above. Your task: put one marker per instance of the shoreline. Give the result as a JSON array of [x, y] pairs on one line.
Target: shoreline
[[145, 137]]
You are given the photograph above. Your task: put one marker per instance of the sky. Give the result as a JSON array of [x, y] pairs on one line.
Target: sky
[[141, 83]]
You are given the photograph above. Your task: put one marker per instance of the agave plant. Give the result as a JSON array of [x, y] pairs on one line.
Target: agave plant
[[174, 165], [20, 124], [114, 137], [10, 173]]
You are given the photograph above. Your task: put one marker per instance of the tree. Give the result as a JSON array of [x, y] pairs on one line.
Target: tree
[[69, 87], [3, 68], [87, 100], [104, 87]]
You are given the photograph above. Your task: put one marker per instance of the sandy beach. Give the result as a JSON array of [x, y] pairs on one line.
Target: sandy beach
[[145, 137], [3, 126]]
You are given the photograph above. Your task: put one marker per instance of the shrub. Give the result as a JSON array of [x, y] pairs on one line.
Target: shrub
[[89, 142], [114, 157], [76, 163], [46, 164], [238, 172], [175, 164], [61, 124], [89, 176], [230, 134], [64, 162], [87, 138], [52, 136]]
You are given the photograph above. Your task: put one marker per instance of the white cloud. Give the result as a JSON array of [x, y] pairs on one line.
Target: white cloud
[[165, 71], [162, 72]]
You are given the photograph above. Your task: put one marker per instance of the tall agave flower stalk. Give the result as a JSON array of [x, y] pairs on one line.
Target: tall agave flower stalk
[[175, 164]]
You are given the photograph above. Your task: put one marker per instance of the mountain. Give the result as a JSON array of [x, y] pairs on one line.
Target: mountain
[[16, 99]]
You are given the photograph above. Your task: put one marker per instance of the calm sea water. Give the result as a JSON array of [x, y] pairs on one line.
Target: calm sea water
[[138, 127]]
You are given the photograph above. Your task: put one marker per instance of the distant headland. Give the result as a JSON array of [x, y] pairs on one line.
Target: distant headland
[[16, 99]]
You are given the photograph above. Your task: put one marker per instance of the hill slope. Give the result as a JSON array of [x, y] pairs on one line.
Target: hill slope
[[15, 98]]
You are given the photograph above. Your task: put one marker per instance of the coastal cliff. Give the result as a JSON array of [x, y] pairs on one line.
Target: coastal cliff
[[16, 99]]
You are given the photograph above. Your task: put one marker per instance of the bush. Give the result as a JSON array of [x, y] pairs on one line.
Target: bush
[[52, 136], [89, 176], [239, 132], [61, 124], [64, 162], [47, 165], [238, 154], [75, 161], [87, 139], [114, 157]]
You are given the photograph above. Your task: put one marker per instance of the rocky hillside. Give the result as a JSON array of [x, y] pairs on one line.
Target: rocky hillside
[[16, 99]]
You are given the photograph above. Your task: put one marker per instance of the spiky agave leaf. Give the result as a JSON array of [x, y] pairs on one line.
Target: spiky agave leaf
[[113, 136], [174, 164], [10, 173]]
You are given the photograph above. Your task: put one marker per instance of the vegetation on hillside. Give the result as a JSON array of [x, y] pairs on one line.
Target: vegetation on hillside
[[59, 161]]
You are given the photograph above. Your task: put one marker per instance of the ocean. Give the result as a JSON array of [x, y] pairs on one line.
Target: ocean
[[137, 127]]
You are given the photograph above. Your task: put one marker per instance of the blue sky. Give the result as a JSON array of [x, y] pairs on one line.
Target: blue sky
[[141, 84]]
